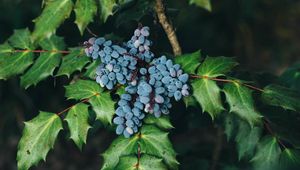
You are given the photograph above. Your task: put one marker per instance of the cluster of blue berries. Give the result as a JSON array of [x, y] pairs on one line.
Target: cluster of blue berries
[[139, 44], [116, 64], [150, 82]]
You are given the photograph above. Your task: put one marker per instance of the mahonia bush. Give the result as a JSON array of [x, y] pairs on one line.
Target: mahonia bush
[[146, 85], [150, 82]]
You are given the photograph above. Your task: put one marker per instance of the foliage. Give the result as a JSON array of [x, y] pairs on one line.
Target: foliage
[[226, 99]]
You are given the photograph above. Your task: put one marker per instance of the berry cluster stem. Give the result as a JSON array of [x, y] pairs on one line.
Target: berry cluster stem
[[139, 152]]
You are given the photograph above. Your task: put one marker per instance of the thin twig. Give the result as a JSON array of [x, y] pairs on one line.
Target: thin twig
[[91, 32], [163, 20], [226, 81], [269, 129], [41, 51], [82, 101]]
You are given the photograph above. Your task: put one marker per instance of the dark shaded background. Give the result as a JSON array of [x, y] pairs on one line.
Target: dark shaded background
[[263, 35]]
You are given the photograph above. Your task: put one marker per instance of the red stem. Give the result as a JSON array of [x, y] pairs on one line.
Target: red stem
[[227, 81], [82, 101], [269, 129], [139, 153], [265, 121], [42, 51]]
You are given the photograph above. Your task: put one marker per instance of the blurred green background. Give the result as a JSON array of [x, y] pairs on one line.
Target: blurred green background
[[263, 35]]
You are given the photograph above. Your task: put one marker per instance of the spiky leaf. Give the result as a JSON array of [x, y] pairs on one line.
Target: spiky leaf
[[45, 64], [77, 119], [152, 141], [230, 126], [85, 11], [91, 70], [104, 107], [21, 39], [101, 101], [54, 13], [155, 142], [289, 159], [190, 101], [162, 122], [207, 93], [137, 10], [146, 162], [202, 3], [82, 89], [72, 62], [286, 98], [246, 139], [291, 77], [216, 66], [241, 102], [189, 62], [106, 8], [13, 63], [120, 90], [38, 138], [119, 147], [267, 154]]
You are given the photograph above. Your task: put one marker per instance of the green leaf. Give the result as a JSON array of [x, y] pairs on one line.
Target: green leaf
[[82, 89], [134, 11], [121, 90], [216, 66], [290, 159], [72, 62], [146, 162], [101, 101], [189, 62], [77, 119], [119, 147], [106, 9], [286, 98], [230, 125], [104, 107], [38, 138], [202, 3], [155, 142], [162, 122], [152, 142], [85, 10], [21, 39], [285, 125], [247, 138], [5, 49], [53, 43], [45, 64], [54, 13], [291, 77], [267, 154], [207, 93], [241, 102], [190, 101], [91, 69], [13, 63]]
